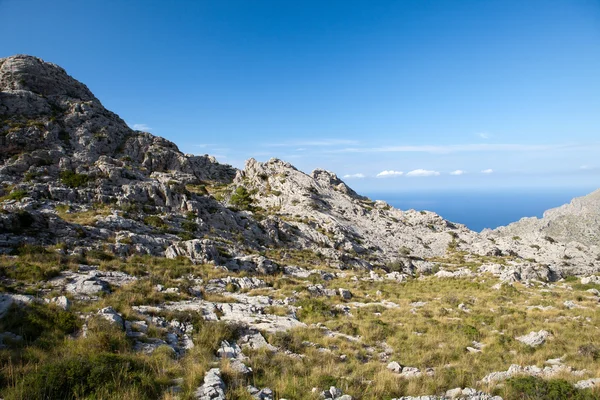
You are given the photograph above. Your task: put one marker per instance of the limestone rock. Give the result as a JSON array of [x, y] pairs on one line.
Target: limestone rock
[[109, 314], [534, 339], [213, 387], [7, 300]]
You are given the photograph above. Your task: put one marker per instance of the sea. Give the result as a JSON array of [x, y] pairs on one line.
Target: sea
[[480, 209]]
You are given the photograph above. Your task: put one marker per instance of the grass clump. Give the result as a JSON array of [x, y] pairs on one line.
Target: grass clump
[[87, 217], [17, 194]]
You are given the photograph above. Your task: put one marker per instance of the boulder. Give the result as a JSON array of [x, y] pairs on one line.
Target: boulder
[[534, 339]]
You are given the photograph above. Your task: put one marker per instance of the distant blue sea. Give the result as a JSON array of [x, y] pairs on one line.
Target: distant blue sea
[[482, 209]]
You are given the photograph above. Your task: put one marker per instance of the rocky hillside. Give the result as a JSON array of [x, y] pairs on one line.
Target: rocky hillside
[[578, 221], [75, 174], [129, 270]]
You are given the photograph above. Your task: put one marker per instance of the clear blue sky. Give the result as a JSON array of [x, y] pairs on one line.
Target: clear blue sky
[[357, 87]]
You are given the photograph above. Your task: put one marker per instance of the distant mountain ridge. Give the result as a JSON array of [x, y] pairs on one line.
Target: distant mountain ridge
[[577, 221]]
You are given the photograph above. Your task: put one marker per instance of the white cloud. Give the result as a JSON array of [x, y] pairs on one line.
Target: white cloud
[[142, 127], [487, 171], [458, 172], [484, 135], [390, 173], [354, 176], [422, 172]]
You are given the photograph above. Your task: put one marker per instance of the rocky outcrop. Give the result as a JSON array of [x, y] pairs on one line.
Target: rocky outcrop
[[531, 370], [213, 387], [458, 394]]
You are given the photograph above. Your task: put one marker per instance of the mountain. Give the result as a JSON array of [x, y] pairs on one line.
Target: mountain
[[271, 269], [65, 157], [63, 149], [578, 221]]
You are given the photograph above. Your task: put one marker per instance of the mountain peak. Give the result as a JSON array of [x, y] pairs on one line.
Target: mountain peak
[[32, 74]]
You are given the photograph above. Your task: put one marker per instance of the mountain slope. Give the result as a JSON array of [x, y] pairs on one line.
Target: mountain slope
[[75, 174], [578, 221], [64, 150]]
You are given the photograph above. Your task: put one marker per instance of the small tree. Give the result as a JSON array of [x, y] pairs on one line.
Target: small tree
[[241, 198]]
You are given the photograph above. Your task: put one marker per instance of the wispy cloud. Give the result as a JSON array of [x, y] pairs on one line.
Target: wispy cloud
[[422, 172], [458, 172], [354, 176], [141, 127], [389, 174], [484, 135], [314, 143], [455, 148], [487, 171]]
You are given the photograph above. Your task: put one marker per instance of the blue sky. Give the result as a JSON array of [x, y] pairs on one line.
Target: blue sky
[[391, 95]]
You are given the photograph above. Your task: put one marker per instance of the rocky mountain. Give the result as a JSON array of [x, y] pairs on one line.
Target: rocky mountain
[[578, 221], [75, 171], [166, 246]]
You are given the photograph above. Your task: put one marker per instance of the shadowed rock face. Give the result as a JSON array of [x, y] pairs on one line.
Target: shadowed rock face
[[60, 149]]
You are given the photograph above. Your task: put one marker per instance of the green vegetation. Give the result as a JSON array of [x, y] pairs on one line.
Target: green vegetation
[[241, 198], [156, 222], [530, 388], [73, 179], [17, 194]]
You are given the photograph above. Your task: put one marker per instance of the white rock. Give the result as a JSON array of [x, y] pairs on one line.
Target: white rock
[[534, 339]]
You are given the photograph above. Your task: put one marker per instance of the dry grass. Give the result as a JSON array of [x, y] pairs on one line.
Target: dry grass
[[87, 217], [434, 335]]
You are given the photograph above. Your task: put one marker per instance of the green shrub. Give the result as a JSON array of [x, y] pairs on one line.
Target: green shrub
[[36, 320], [73, 179], [155, 221], [185, 236], [189, 226], [17, 194], [471, 332], [313, 307], [241, 198], [531, 388]]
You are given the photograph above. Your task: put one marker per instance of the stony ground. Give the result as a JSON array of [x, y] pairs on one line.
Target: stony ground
[[151, 327]]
